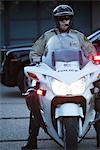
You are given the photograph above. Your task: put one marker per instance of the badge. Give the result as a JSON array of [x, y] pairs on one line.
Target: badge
[[72, 43]]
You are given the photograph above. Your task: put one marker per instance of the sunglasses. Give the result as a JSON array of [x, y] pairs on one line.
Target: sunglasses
[[61, 18]]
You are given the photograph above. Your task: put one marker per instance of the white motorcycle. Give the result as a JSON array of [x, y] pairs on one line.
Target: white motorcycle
[[64, 81]]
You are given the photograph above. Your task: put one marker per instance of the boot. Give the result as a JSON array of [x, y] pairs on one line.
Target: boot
[[31, 144]]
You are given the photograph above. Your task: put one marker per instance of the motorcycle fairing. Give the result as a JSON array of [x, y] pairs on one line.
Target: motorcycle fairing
[[63, 110], [66, 76]]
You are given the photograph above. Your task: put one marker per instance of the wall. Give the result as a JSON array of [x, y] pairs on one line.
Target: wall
[[96, 15], [26, 20]]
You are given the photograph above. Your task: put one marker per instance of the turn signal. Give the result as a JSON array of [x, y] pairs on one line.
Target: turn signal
[[41, 92]]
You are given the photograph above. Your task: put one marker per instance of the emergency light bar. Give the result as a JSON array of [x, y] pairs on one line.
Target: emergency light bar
[[41, 92]]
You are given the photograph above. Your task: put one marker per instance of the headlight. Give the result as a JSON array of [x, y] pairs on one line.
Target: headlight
[[76, 88], [59, 88]]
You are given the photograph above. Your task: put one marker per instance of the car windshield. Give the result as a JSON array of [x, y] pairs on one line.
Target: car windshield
[[57, 50]]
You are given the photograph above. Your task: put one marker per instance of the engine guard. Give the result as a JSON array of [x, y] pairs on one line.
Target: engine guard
[[68, 109]]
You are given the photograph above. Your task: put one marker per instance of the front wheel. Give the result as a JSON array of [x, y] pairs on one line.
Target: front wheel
[[70, 131]]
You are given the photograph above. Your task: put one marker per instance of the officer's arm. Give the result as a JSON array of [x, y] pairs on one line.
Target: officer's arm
[[87, 47], [37, 50]]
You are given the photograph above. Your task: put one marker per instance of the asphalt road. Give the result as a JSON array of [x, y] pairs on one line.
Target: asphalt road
[[14, 119]]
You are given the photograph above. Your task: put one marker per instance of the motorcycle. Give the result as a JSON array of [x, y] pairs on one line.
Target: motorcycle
[[64, 84]]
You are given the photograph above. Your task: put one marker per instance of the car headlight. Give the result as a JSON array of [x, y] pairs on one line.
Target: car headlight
[[76, 88]]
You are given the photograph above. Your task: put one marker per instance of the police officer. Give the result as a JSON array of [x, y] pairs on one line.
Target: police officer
[[63, 15]]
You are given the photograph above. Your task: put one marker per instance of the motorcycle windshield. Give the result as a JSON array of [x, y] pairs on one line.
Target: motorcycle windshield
[[58, 51]]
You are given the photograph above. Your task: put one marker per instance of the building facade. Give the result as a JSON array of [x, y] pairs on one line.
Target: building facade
[[22, 21]]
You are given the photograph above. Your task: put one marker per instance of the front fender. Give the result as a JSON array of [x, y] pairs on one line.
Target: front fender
[[69, 109]]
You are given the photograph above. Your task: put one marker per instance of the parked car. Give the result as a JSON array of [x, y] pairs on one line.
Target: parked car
[[17, 57], [95, 39]]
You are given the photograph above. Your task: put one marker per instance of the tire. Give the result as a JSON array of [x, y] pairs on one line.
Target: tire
[[21, 82], [70, 131]]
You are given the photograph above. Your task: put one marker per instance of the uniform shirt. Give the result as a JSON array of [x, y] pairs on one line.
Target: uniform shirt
[[74, 39]]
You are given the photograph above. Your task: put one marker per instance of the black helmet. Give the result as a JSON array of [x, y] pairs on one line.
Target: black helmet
[[63, 10]]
